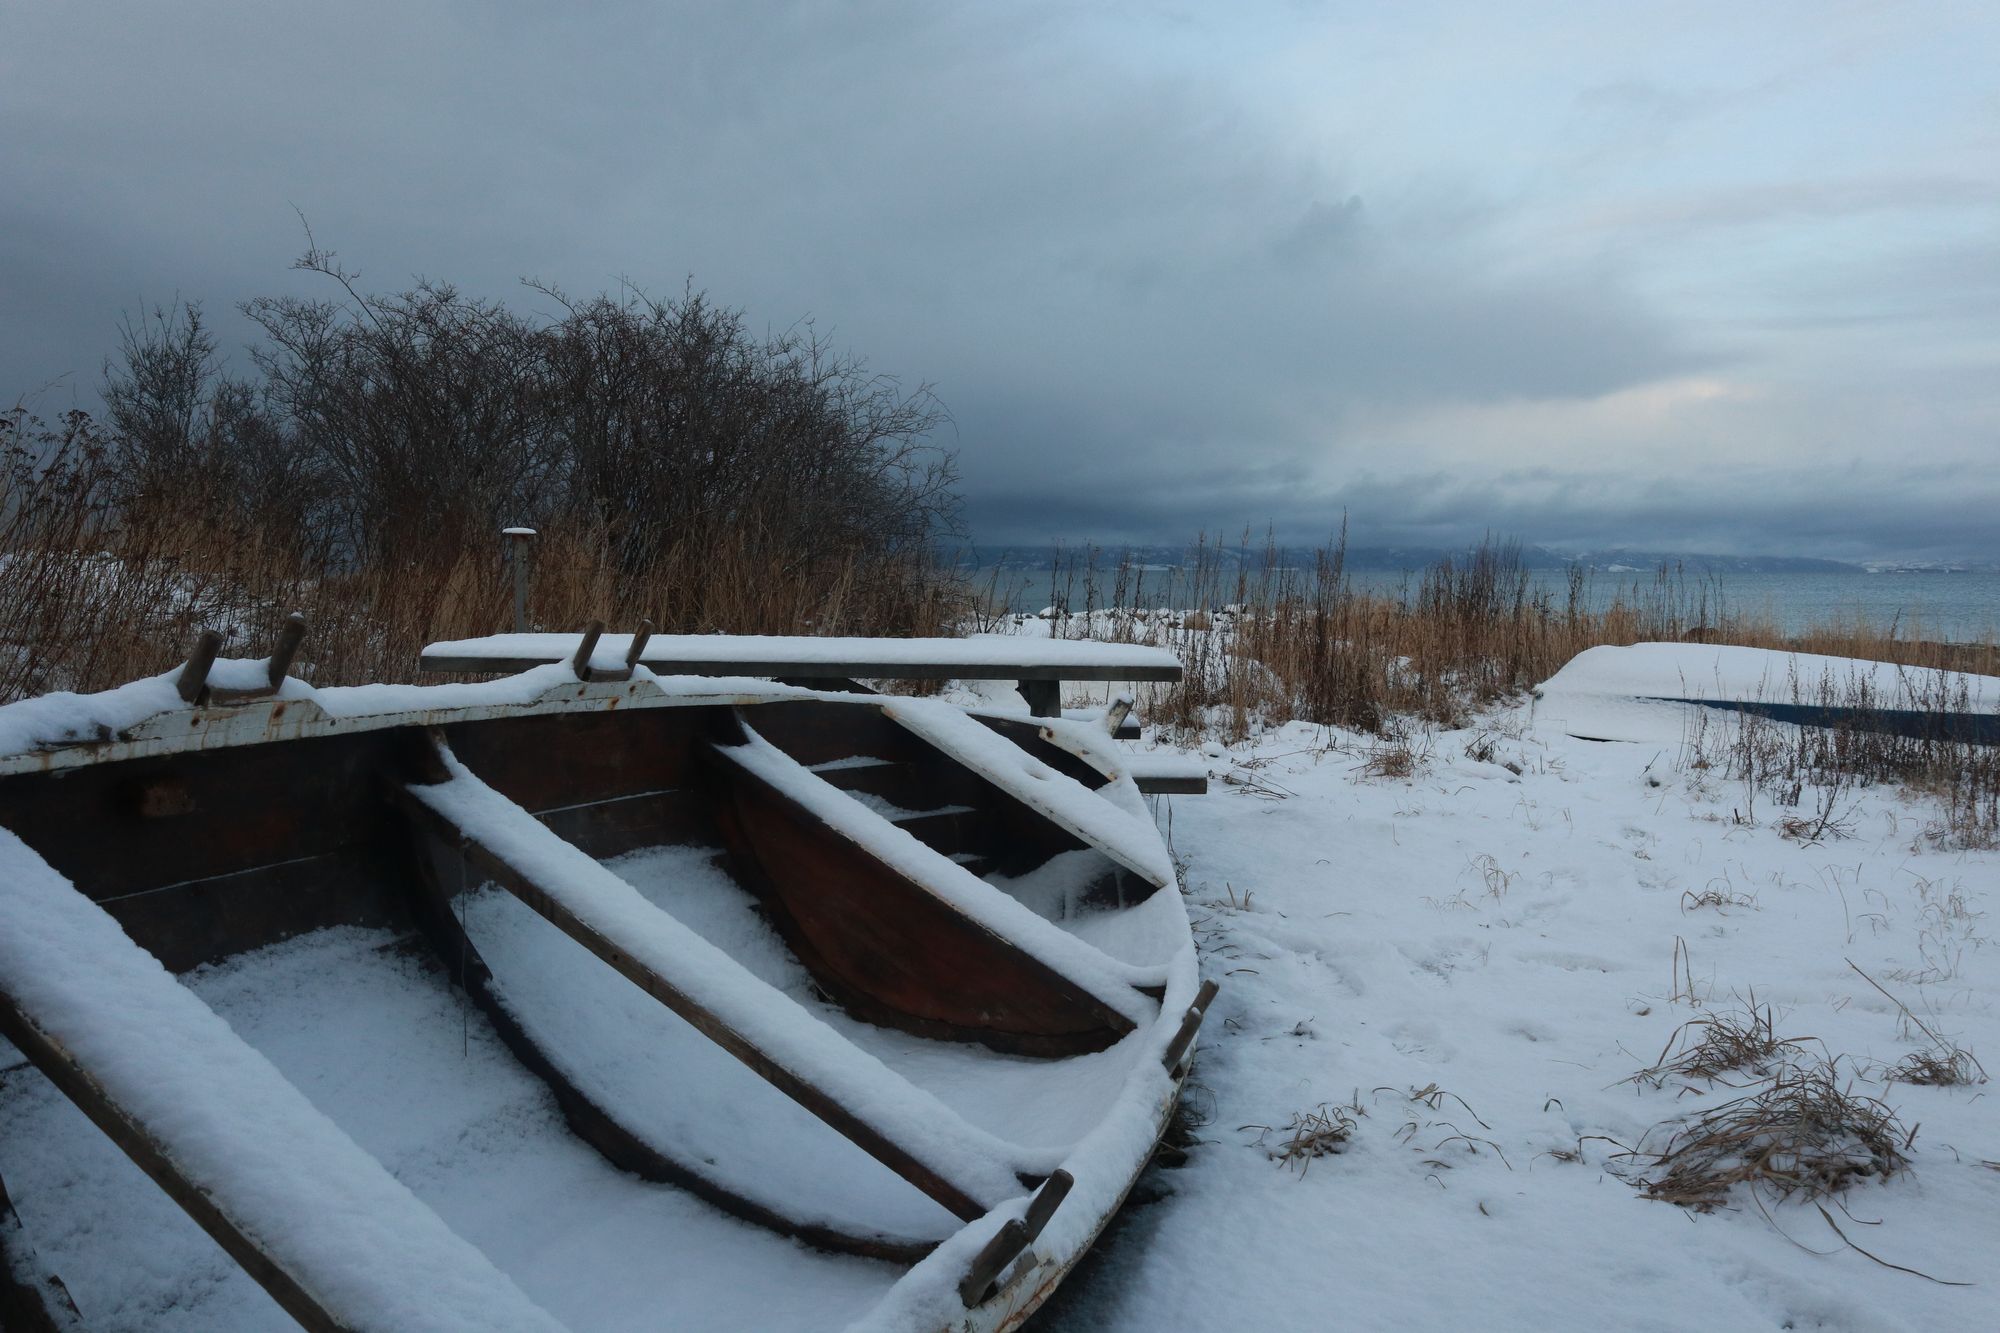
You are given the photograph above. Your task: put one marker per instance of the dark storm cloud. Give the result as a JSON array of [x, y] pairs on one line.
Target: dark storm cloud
[[1151, 297]]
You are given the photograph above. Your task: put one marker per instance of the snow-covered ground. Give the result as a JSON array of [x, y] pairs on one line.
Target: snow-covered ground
[[1464, 944], [1472, 961]]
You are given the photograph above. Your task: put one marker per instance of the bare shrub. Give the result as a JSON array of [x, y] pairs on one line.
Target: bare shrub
[[678, 469]]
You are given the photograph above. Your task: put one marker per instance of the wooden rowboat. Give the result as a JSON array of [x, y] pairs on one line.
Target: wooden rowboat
[[554, 1002]]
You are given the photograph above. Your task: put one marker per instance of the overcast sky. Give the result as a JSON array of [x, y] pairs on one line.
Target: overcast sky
[[1712, 277]]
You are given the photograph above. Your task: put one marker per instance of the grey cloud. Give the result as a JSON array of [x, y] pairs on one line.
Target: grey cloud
[[1147, 298], [1755, 205], [1883, 515]]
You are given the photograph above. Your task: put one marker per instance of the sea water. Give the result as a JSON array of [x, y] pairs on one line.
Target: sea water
[[1957, 608]]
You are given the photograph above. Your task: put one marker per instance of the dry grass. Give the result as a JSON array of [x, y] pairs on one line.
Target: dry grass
[[1801, 1134], [1941, 1064], [1812, 774], [1704, 1049], [1390, 761], [1285, 638], [1798, 1133], [92, 594], [1721, 899], [1308, 1135]]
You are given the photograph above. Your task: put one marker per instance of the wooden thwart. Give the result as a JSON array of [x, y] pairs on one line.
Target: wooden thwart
[[871, 1138], [593, 1121], [891, 947]]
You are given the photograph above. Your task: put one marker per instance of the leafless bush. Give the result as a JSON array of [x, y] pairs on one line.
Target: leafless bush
[[678, 468]]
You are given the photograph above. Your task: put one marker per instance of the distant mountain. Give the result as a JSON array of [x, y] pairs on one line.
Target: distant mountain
[[1932, 567], [1694, 563], [1392, 559]]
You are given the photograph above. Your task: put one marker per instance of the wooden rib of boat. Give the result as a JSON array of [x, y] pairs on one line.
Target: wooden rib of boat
[[908, 984]]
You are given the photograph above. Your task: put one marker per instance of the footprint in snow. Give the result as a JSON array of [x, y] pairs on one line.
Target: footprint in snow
[[1572, 962]]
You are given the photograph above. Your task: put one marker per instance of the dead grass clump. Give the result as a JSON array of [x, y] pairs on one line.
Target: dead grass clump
[[1943, 1066], [1800, 1134], [1704, 1049], [1308, 1135], [1390, 761], [1718, 898]]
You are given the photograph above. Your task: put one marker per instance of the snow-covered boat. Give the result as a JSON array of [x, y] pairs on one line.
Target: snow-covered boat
[[1642, 692], [869, 1010]]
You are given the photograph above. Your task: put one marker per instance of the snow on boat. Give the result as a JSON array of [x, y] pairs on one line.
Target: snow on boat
[[1643, 693], [557, 1002]]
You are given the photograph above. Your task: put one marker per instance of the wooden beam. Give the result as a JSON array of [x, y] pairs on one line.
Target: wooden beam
[[76, 1083], [658, 661], [1169, 784], [1043, 697], [891, 949]]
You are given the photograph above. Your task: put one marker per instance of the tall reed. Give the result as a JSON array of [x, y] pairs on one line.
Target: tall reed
[[94, 592], [1285, 637]]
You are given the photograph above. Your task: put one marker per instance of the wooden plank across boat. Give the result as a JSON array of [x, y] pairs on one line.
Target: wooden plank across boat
[[1037, 666], [906, 983]]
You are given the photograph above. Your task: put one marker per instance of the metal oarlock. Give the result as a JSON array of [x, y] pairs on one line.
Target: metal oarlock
[[580, 663], [289, 639], [193, 682], [193, 686], [638, 646], [1190, 1024], [1016, 1235], [584, 648]]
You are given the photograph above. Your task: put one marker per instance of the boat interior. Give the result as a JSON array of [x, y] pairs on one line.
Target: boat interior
[[812, 976]]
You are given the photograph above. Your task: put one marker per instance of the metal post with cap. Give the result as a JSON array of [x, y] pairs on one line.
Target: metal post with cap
[[516, 543]]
